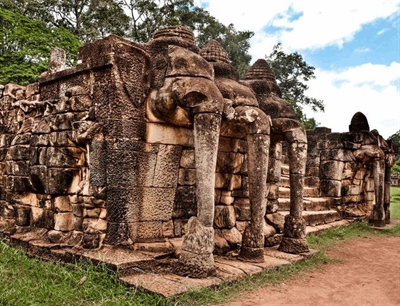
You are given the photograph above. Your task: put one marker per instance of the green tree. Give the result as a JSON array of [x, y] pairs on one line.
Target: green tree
[[87, 19], [292, 74], [395, 140], [149, 16], [25, 46]]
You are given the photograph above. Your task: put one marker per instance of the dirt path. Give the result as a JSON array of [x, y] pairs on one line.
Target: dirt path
[[368, 273]]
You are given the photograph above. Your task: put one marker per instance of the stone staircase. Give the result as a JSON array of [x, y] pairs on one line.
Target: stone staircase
[[318, 211]]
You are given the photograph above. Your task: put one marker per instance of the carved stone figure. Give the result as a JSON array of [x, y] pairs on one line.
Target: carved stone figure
[[184, 94], [285, 127], [244, 119], [375, 151]]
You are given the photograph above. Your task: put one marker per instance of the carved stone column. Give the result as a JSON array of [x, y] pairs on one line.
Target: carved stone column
[[198, 244]]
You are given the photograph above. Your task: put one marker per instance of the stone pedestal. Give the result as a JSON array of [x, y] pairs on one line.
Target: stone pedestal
[[294, 233], [196, 258]]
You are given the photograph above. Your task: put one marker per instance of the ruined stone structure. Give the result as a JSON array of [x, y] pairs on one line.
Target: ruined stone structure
[[161, 147]]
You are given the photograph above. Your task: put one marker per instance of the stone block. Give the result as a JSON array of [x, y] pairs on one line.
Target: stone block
[[18, 152], [60, 179], [311, 181], [166, 170], [276, 220], [38, 155], [226, 197], [185, 202], [187, 177], [221, 246], [227, 144], [179, 227], [125, 128], [91, 212], [233, 237], [32, 89], [38, 178], [353, 137], [313, 162], [21, 139], [94, 225], [22, 215], [61, 139], [274, 170], [224, 216], [39, 140], [20, 168], [330, 188], [167, 134], [140, 204], [27, 199], [61, 122], [333, 154], [18, 184], [242, 209], [77, 210], [273, 192], [229, 162], [118, 233], [331, 170], [168, 229], [65, 157], [64, 221], [187, 159], [62, 204], [141, 231], [125, 168]]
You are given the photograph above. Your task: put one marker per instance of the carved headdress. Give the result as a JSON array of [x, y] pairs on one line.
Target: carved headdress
[[214, 53], [262, 71]]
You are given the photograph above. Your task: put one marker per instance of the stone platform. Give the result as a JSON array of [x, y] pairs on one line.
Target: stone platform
[[154, 271]]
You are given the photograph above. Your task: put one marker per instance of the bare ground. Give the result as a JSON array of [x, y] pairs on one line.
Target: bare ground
[[365, 271]]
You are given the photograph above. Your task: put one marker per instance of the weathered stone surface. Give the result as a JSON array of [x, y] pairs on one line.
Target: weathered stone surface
[[64, 221], [331, 170], [185, 202], [166, 170], [166, 134], [224, 216]]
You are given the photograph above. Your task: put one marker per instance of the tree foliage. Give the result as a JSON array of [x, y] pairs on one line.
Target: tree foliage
[[87, 19], [149, 16], [395, 139], [25, 46], [292, 74]]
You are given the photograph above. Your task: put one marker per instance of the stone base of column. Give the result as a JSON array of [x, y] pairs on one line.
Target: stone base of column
[[251, 254], [252, 249], [294, 234], [377, 217], [377, 223], [196, 258], [195, 265], [293, 245]]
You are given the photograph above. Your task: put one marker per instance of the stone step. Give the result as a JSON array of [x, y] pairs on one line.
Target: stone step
[[284, 182], [285, 170], [314, 218], [310, 204], [309, 192]]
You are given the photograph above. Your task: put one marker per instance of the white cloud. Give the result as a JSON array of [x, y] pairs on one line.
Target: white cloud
[[316, 24], [367, 88], [321, 23], [362, 50]]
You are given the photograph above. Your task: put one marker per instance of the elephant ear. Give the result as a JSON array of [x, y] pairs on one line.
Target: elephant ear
[[133, 71]]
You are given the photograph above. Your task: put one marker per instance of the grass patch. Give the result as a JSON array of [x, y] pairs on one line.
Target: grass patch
[[395, 201], [31, 281]]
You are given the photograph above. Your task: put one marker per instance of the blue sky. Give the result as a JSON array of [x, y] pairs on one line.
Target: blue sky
[[353, 44]]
